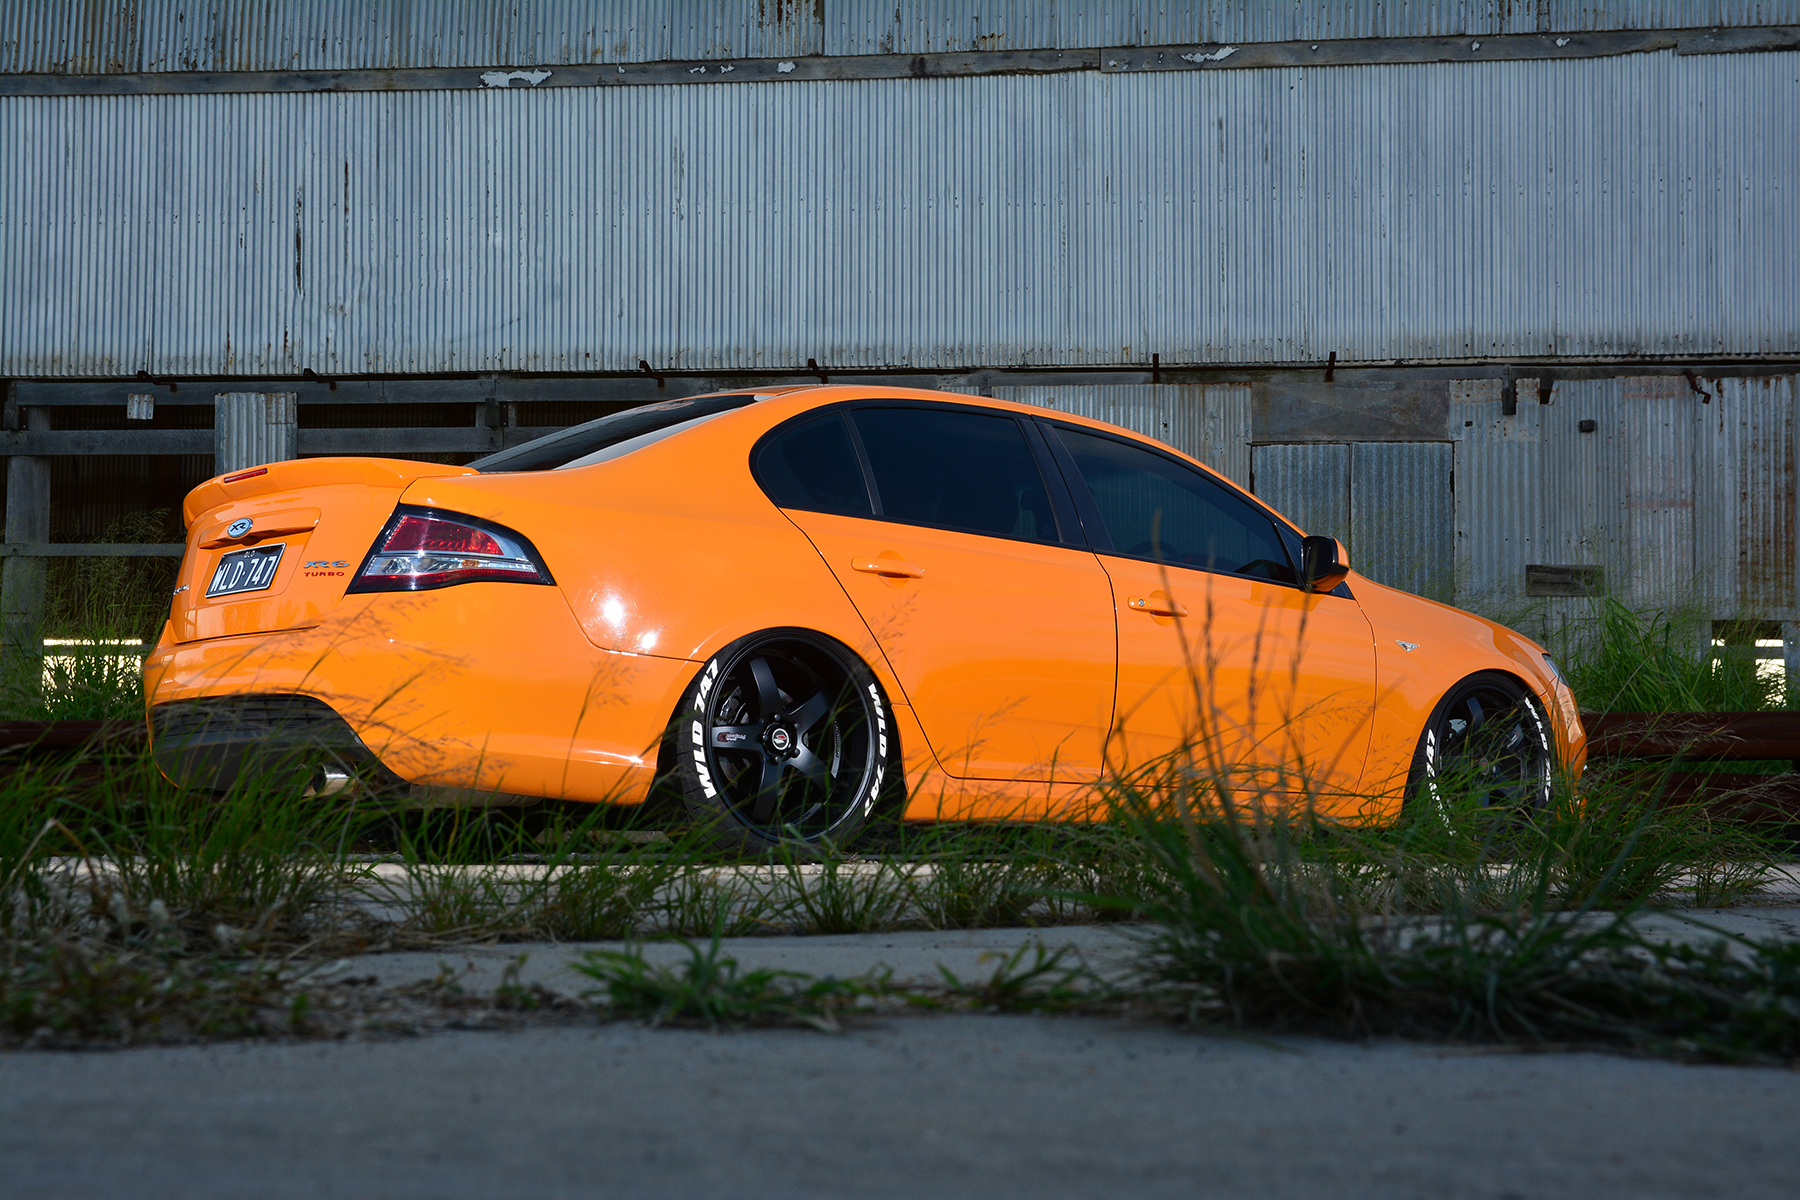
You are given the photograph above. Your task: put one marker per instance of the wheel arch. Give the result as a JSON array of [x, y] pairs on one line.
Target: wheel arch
[[676, 709], [1545, 715]]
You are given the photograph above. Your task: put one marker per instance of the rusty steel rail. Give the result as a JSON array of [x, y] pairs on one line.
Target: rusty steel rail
[[25, 738], [1736, 735]]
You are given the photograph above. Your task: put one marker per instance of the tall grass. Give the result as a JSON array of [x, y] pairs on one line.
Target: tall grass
[[128, 902], [1620, 659], [1461, 922]]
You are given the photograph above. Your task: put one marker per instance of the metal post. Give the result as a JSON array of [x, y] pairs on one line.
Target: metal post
[[27, 520], [1790, 656]]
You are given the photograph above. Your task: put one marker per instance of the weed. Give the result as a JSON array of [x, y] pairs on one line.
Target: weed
[[72, 991], [980, 878], [1467, 923], [836, 893], [1048, 983], [710, 990]]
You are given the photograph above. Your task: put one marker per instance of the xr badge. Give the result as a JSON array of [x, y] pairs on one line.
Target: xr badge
[[239, 527]]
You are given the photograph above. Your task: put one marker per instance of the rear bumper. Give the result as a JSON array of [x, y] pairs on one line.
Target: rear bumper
[[282, 742], [488, 686]]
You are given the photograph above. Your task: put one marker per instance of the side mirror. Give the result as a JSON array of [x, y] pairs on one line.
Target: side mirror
[[1323, 563]]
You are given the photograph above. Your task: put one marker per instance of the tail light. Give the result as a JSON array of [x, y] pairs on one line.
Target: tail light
[[421, 548]]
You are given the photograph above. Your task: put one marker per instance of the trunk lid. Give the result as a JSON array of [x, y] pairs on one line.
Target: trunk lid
[[276, 546]]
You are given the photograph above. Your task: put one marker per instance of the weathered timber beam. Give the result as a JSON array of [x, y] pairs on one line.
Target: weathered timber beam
[[1211, 56], [92, 549]]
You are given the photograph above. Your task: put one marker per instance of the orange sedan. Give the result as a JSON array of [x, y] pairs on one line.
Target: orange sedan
[[794, 608]]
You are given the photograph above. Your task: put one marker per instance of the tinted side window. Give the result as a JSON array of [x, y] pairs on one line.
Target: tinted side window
[[812, 466], [1155, 508], [956, 470]]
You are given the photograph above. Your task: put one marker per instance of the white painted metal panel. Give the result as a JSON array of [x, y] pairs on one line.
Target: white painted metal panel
[[1611, 207]]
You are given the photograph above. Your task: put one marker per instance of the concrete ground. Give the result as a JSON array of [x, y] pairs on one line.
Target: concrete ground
[[909, 1106], [912, 957], [899, 1105]]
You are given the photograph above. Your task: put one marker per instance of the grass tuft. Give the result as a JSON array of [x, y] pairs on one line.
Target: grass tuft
[[710, 990]]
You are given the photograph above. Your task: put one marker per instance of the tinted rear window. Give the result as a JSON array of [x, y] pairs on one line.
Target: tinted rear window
[[578, 441], [811, 466]]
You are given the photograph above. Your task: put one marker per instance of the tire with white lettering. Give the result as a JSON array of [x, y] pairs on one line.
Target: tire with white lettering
[[783, 738], [1487, 742]]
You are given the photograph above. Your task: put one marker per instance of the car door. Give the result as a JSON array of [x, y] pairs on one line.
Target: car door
[[995, 619], [1220, 650]]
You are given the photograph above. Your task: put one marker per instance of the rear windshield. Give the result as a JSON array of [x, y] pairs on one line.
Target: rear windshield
[[565, 446]]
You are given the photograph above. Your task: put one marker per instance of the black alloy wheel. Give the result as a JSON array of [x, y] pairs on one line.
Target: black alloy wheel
[[784, 738], [1487, 739]]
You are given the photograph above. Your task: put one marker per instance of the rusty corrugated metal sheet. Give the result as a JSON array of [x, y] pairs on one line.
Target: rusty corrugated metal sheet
[[1308, 484], [931, 26], [1745, 481], [82, 37], [1210, 422], [1403, 515], [1499, 503], [251, 428], [1683, 497], [1634, 206]]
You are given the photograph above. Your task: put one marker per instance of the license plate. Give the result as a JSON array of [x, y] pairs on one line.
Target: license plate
[[249, 570]]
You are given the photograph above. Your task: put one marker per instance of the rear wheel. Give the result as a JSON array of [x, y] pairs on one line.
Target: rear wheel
[[1488, 740], [783, 738]]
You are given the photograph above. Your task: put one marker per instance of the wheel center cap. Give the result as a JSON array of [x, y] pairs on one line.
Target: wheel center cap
[[781, 739]]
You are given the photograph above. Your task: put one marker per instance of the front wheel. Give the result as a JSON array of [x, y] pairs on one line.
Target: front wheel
[[1489, 741], [782, 738]]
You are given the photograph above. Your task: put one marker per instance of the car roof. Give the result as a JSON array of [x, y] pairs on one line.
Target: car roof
[[828, 393]]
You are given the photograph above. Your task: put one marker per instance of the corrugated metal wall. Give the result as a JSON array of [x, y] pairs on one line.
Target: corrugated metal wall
[[1403, 515], [84, 37], [1638, 205], [250, 428], [1309, 484], [1207, 422], [1681, 497]]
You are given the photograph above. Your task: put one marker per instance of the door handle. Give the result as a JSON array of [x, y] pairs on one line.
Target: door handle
[[1157, 606], [892, 568]]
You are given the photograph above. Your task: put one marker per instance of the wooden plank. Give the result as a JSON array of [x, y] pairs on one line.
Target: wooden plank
[[452, 440], [92, 549], [1209, 56], [105, 441]]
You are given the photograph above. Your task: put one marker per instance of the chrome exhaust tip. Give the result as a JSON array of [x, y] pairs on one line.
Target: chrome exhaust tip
[[329, 781]]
